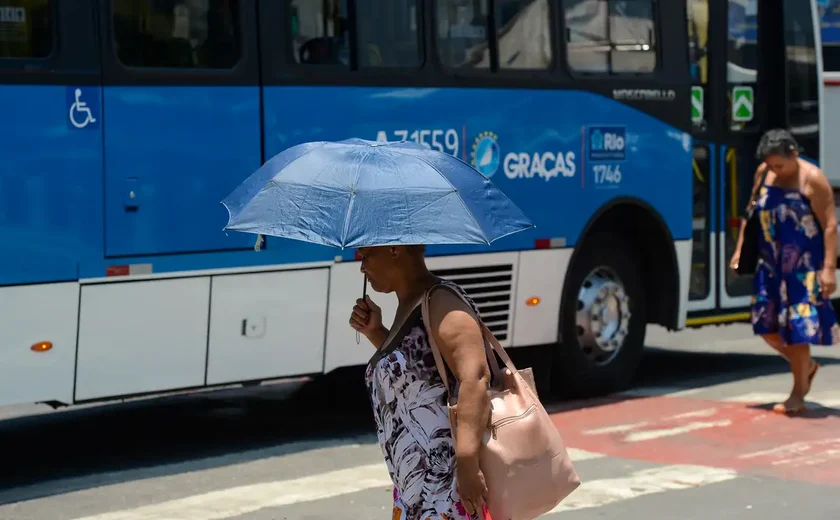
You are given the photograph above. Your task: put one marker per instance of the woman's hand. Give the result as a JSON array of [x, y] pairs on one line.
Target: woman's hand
[[733, 262], [828, 282], [471, 485], [367, 319]]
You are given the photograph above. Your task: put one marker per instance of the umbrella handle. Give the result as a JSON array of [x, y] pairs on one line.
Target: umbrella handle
[[364, 295]]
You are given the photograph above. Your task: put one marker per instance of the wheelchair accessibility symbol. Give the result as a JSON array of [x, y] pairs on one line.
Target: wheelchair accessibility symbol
[[81, 115]]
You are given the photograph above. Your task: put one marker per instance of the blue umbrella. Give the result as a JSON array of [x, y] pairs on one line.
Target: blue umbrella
[[358, 193]]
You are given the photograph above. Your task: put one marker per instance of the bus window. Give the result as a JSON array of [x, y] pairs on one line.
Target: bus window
[[698, 38], [320, 32], [830, 22], [742, 61], [462, 36], [387, 33], [523, 34], [742, 55], [177, 34], [614, 37], [26, 29], [802, 88], [701, 256]]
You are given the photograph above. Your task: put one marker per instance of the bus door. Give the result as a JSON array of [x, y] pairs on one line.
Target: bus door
[[50, 139], [183, 101], [745, 83]]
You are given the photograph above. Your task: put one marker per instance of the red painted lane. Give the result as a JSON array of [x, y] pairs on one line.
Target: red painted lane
[[743, 437]]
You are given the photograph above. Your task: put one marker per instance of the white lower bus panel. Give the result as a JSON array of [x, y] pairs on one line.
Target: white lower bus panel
[[539, 291], [30, 315], [267, 325], [142, 337], [683, 249]]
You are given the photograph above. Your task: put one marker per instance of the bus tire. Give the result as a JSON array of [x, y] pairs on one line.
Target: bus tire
[[603, 321]]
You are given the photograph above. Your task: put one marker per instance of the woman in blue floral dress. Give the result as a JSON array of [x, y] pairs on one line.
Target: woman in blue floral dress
[[795, 277]]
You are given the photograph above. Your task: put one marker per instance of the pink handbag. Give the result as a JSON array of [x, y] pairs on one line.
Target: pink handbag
[[523, 457]]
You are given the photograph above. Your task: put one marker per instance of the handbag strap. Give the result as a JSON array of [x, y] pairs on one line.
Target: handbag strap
[[756, 188], [491, 344]]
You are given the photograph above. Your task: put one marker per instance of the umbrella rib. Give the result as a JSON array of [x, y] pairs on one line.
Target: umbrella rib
[[352, 198], [405, 196], [461, 200]]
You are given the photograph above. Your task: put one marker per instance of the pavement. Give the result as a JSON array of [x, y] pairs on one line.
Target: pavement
[[694, 439]]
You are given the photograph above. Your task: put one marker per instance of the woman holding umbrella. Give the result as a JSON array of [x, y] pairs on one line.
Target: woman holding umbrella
[[388, 201], [408, 395]]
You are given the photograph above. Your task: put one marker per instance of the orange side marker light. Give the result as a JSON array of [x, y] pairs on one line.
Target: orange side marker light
[[43, 346]]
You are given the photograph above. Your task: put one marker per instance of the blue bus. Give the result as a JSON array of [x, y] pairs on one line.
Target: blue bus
[[625, 136], [830, 35]]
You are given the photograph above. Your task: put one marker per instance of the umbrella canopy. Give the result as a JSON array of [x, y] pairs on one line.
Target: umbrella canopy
[[358, 193]]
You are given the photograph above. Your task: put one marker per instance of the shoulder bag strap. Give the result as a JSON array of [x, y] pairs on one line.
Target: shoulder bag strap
[[491, 344], [756, 188]]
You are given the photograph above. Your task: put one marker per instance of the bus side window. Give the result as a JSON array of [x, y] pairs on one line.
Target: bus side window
[[177, 33], [320, 33], [802, 77], [461, 33], [387, 34], [26, 29], [523, 34], [831, 36], [698, 39], [612, 37]]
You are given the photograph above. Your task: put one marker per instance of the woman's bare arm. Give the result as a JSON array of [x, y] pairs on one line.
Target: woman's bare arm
[[461, 344], [822, 204]]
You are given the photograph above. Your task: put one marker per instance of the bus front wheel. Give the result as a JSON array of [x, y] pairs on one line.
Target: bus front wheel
[[602, 320]]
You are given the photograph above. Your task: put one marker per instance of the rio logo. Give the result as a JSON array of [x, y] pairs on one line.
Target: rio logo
[[607, 143]]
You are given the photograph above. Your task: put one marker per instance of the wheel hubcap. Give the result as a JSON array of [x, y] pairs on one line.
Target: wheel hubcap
[[603, 316]]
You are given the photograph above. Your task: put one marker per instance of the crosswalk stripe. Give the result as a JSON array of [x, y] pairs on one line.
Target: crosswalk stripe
[[218, 505], [236, 501], [824, 399], [581, 455], [602, 492], [227, 503], [829, 399], [649, 435]]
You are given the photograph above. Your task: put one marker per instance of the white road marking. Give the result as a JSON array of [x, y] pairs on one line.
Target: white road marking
[[706, 412], [824, 399], [655, 434], [619, 428], [580, 455], [679, 430], [231, 502], [794, 447], [602, 492], [802, 453], [226, 503]]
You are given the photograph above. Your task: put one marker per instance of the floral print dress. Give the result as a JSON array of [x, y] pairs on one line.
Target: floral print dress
[[787, 297], [409, 399]]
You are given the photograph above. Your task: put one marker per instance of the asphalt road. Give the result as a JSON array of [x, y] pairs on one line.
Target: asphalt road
[[695, 439]]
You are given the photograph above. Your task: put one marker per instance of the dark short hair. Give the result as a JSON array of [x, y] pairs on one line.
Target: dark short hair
[[777, 141]]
